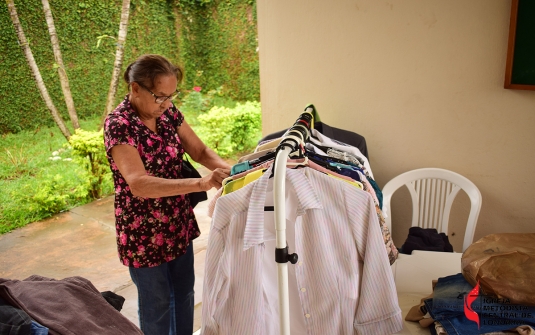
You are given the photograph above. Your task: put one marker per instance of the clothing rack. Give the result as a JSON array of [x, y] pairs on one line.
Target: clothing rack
[[293, 140]]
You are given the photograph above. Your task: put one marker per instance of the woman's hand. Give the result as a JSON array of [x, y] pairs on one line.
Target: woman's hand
[[214, 179]]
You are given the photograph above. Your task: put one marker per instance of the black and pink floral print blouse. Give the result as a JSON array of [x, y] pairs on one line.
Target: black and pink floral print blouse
[[149, 231]]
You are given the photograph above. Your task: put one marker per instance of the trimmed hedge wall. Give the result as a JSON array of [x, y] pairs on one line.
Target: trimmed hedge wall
[[215, 42]]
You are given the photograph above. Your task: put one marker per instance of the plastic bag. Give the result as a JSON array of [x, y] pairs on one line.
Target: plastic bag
[[504, 264]]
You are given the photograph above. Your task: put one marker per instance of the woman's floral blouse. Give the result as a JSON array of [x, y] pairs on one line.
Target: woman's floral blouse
[[149, 231]]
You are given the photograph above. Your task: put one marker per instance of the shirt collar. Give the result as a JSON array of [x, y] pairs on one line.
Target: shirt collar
[[307, 198]]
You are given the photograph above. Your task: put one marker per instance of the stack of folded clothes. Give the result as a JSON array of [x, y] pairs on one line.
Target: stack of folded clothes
[[40, 306], [456, 307]]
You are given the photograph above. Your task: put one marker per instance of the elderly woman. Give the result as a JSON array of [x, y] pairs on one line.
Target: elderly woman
[[146, 137]]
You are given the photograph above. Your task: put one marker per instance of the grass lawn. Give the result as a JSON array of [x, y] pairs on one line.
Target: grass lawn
[[38, 176]]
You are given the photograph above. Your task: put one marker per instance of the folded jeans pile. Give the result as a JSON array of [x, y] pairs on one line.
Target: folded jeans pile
[[461, 309]]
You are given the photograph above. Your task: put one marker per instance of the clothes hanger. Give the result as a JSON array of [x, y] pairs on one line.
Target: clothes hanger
[[263, 159], [322, 164], [298, 164], [325, 159], [322, 148]]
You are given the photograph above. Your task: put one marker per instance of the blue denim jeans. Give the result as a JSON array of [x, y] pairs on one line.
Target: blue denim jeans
[[38, 329], [166, 297], [447, 306]]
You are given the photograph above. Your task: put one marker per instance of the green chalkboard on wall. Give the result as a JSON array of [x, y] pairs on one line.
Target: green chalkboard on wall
[[520, 68]]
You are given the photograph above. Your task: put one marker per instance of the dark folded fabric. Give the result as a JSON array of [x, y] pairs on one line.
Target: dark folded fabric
[[13, 321], [68, 306], [113, 299], [426, 239]]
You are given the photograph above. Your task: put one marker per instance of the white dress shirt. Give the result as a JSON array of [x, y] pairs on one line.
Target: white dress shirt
[[342, 283]]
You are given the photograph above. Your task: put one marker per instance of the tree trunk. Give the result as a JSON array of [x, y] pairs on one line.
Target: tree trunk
[[61, 68], [123, 28], [35, 70]]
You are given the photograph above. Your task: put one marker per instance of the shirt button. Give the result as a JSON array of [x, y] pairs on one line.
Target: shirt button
[[307, 316], [303, 289], [299, 263]]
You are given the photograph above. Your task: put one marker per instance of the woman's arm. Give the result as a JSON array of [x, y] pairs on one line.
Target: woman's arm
[[198, 151], [131, 167]]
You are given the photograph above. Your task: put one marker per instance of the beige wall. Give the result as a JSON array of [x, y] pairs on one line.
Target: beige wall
[[422, 80]]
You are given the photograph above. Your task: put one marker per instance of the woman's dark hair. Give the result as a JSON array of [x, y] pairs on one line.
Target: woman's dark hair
[[147, 67]]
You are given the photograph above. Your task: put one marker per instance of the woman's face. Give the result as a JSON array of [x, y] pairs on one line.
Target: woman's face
[[144, 102]]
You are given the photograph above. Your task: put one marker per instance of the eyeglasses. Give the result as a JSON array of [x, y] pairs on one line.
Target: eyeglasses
[[160, 99]]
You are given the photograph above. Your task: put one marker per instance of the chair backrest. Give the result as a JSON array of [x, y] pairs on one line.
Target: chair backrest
[[432, 192]]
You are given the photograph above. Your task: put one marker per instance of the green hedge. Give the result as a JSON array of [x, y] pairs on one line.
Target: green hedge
[[219, 46], [215, 41]]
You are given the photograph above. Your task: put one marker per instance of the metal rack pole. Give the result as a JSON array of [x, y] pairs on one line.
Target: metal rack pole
[[279, 190], [292, 141]]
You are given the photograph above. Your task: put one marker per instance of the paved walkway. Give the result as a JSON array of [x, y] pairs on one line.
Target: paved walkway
[[81, 242]]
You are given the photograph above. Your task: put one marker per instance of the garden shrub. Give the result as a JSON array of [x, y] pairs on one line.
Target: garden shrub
[[89, 152], [55, 194], [231, 130]]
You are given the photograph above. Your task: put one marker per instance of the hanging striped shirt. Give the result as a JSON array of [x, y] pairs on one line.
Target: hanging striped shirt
[[342, 283]]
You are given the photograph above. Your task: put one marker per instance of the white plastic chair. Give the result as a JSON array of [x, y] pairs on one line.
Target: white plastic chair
[[432, 192]]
